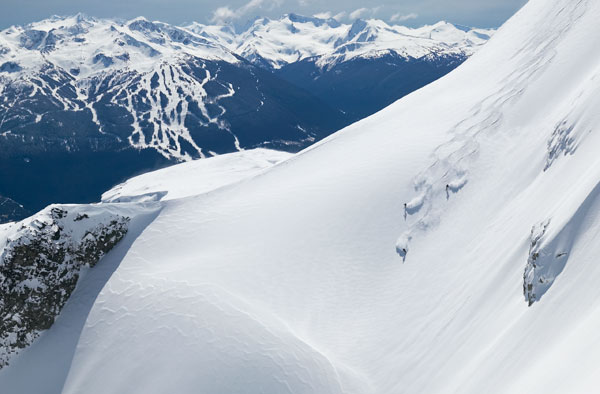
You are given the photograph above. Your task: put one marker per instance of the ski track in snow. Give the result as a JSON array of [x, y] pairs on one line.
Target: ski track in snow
[[451, 161], [285, 282]]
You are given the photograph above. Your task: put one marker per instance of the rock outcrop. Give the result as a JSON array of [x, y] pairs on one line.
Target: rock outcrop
[[40, 263]]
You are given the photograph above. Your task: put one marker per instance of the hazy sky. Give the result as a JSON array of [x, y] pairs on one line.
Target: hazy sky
[[478, 13]]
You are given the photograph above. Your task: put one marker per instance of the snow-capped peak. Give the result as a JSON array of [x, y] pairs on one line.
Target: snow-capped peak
[[88, 45], [293, 38], [289, 282]]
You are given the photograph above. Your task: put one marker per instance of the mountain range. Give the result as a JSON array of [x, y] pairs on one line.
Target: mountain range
[[445, 244], [86, 103]]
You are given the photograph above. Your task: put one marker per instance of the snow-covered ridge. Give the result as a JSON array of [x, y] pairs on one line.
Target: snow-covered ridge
[[290, 282], [294, 38], [195, 177], [42, 257]]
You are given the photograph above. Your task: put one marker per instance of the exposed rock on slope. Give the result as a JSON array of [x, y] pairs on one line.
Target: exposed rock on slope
[[40, 264]]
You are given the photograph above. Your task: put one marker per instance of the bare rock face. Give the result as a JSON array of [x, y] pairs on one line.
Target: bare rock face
[[40, 263], [532, 275]]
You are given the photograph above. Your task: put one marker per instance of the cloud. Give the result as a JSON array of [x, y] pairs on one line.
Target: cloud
[[339, 16], [329, 15], [403, 17], [225, 14], [359, 13], [222, 15], [363, 12], [323, 15]]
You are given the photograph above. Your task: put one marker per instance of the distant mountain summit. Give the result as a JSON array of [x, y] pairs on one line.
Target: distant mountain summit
[[293, 38], [88, 102], [447, 244]]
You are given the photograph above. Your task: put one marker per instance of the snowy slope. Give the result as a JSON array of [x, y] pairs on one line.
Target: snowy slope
[[195, 177], [291, 282], [275, 43]]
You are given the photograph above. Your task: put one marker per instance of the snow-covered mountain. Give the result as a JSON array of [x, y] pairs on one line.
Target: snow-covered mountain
[[147, 83], [86, 102], [447, 244], [358, 68], [293, 38]]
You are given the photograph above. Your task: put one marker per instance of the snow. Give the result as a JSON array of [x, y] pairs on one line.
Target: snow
[[291, 282], [195, 177], [154, 70], [128, 58], [294, 38], [86, 46], [93, 45]]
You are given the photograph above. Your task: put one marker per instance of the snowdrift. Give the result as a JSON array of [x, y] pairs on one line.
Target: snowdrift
[[291, 282], [195, 177]]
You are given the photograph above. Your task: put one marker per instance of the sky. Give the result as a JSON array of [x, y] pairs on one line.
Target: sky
[[475, 13]]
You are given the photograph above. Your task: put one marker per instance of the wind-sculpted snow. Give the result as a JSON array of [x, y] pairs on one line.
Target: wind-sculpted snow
[[196, 177], [231, 345], [290, 280]]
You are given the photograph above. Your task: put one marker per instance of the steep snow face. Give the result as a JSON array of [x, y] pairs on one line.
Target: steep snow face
[[195, 177], [276, 43], [291, 282]]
